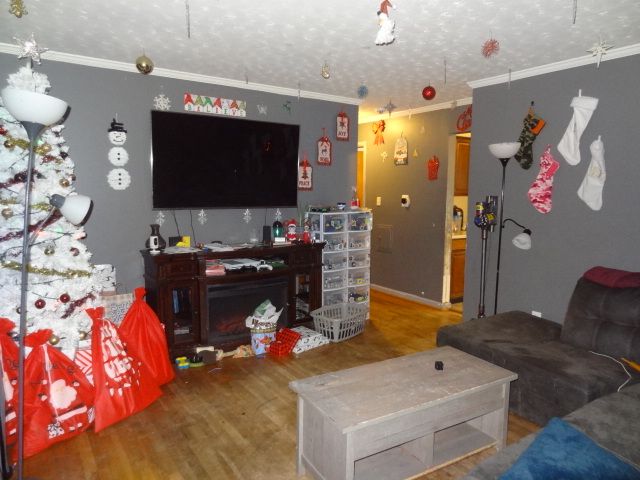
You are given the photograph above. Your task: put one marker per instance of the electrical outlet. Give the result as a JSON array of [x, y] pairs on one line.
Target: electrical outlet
[[536, 313]]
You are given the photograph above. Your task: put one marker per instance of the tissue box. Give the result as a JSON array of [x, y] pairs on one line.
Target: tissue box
[[308, 339]]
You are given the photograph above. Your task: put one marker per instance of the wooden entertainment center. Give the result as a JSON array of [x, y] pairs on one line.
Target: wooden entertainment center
[[180, 292]]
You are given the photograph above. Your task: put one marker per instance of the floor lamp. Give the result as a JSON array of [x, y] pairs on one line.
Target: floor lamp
[[503, 152], [35, 111]]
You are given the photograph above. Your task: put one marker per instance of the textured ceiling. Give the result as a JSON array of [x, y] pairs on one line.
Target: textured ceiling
[[285, 43]]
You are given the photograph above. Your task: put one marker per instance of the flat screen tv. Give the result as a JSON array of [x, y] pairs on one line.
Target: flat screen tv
[[207, 161]]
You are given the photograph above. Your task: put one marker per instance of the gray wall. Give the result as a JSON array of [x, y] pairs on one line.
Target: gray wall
[[119, 224], [572, 237], [414, 264]]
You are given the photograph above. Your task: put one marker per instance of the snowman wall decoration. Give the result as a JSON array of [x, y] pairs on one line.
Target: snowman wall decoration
[[118, 178]]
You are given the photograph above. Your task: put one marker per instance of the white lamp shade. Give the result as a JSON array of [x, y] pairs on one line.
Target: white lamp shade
[[26, 106], [74, 207], [504, 150], [522, 241]]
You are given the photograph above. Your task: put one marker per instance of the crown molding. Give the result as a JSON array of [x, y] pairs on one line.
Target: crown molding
[[193, 77], [415, 111], [556, 66]]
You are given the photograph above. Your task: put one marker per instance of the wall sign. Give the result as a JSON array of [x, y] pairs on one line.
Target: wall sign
[[305, 172], [342, 127], [324, 149], [217, 105]]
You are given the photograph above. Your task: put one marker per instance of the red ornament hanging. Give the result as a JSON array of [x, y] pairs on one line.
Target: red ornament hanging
[[490, 47], [428, 92], [64, 298], [432, 168], [40, 303], [378, 129]]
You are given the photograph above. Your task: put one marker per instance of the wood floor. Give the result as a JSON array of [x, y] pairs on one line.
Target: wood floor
[[237, 419]]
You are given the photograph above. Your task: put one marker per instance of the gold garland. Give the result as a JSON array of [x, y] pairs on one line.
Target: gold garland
[[12, 142], [47, 271]]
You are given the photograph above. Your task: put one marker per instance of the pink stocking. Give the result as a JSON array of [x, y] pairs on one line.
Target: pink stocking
[[542, 188]]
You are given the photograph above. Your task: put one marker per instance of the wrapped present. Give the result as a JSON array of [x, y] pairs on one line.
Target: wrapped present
[[116, 306], [308, 339], [83, 361]]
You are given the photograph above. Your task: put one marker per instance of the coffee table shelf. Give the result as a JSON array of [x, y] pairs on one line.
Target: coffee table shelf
[[400, 417]]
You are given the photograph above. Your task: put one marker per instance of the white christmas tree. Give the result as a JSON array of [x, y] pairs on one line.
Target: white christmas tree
[[62, 282]]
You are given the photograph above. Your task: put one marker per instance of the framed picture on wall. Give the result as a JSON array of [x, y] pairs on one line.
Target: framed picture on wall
[[342, 127]]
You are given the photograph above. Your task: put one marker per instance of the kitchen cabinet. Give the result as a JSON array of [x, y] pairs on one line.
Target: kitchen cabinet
[[461, 175], [458, 252]]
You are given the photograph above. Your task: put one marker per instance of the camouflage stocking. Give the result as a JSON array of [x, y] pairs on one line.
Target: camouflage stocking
[[533, 125]]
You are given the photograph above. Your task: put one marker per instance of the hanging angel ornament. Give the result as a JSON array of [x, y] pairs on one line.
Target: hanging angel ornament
[[386, 25]]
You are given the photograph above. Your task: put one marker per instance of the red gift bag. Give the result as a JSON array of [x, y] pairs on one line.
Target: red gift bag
[[9, 365], [123, 384], [58, 399], [144, 337]]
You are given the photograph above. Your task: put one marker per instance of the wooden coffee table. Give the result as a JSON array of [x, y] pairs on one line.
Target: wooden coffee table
[[400, 417]]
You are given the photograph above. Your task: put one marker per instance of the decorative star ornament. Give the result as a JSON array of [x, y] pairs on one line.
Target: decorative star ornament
[[246, 216], [599, 49], [30, 48], [390, 107], [278, 215]]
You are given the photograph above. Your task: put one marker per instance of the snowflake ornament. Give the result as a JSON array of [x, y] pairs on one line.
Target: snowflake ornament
[[162, 102], [202, 217], [599, 49], [262, 109], [247, 216], [278, 215], [160, 218], [30, 48]]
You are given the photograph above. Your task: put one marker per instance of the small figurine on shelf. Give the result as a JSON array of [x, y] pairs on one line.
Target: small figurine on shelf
[[306, 234], [355, 201], [291, 235]]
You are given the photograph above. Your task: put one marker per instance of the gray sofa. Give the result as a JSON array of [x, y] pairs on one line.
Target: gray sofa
[[612, 421], [557, 371]]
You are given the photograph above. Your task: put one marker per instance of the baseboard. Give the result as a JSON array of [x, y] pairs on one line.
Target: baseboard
[[410, 296]]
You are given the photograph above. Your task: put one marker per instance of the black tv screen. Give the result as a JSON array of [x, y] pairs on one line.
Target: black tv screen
[[206, 161]]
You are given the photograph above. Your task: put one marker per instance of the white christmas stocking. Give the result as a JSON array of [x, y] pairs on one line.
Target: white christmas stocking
[[590, 190], [542, 187], [569, 146]]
